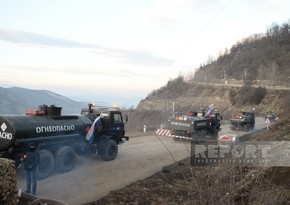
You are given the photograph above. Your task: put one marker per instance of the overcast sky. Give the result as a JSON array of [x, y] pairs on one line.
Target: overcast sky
[[120, 49]]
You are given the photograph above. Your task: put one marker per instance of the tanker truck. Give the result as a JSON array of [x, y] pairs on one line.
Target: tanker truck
[[195, 125], [244, 121], [60, 138]]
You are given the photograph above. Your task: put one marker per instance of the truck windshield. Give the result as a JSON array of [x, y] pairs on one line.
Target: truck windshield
[[117, 118]]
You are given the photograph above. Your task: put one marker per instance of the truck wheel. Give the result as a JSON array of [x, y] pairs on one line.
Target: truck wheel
[[199, 136], [109, 151], [248, 127], [65, 158], [46, 164], [215, 134], [253, 126]]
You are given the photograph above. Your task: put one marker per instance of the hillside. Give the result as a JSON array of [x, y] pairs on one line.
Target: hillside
[[258, 67], [16, 100], [261, 59], [155, 110]]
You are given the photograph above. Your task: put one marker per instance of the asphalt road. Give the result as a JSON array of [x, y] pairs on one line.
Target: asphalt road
[[138, 158]]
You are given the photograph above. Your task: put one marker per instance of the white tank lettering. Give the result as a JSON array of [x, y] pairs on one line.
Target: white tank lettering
[[58, 128], [53, 128], [38, 130], [6, 135]]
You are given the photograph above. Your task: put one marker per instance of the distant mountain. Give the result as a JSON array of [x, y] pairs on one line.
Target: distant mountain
[[109, 101], [16, 100]]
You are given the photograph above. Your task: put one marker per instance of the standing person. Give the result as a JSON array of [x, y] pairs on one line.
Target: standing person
[[254, 111], [30, 164]]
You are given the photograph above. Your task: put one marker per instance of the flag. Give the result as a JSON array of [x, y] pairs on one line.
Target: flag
[[95, 125], [210, 110]]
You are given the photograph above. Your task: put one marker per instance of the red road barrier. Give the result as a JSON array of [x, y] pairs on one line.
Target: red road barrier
[[227, 138], [164, 132]]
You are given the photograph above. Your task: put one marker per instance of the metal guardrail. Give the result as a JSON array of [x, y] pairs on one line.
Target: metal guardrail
[[241, 85]]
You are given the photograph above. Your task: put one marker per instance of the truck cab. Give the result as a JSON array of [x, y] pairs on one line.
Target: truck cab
[[112, 121], [215, 117]]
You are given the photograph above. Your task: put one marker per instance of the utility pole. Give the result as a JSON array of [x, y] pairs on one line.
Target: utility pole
[[173, 109], [224, 74]]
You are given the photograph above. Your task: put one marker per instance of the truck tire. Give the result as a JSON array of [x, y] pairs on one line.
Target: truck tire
[[215, 134], [253, 126], [109, 150], [248, 127], [199, 136], [46, 164], [203, 135], [65, 159]]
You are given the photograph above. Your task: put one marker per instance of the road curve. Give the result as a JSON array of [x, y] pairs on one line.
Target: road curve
[[93, 178]]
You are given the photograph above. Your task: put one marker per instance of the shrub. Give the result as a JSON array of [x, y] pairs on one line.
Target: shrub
[[247, 95]]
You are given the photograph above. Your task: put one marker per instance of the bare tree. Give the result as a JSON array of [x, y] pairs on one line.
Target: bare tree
[[262, 72], [272, 73], [273, 31]]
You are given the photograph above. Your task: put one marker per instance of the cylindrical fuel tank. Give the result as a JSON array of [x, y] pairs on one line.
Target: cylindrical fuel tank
[[15, 128]]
